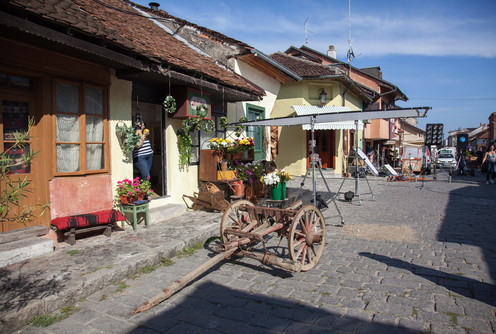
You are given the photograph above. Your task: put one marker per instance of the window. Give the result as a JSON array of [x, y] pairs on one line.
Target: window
[[200, 139], [256, 132], [80, 121], [15, 117]]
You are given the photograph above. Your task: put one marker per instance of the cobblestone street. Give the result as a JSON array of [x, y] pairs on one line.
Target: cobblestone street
[[439, 279]]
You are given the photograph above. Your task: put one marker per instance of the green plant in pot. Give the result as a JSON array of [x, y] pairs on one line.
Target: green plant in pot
[[128, 137], [184, 139], [169, 104]]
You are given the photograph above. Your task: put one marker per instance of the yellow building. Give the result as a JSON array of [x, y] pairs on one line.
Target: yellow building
[[320, 85]]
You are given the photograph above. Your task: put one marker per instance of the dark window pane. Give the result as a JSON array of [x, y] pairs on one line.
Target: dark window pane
[[15, 118], [18, 159]]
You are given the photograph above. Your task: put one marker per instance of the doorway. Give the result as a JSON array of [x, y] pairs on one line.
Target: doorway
[[152, 117], [324, 147], [17, 108]]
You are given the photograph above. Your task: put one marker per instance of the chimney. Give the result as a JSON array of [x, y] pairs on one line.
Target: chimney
[[154, 5], [331, 52]]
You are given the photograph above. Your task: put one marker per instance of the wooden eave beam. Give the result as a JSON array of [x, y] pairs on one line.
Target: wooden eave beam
[[86, 49]]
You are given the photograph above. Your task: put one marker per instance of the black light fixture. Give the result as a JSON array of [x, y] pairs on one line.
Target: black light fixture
[[322, 96]]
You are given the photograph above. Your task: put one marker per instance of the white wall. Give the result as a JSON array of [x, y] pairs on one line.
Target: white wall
[[119, 111], [271, 87]]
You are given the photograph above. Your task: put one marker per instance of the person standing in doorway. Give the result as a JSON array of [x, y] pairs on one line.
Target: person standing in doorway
[[143, 153], [490, 159]]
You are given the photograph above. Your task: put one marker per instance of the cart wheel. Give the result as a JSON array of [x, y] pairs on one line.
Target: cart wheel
[[234, 218], [307, 236]]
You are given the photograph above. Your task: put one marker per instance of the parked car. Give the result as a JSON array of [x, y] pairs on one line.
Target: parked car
[[446, 160]]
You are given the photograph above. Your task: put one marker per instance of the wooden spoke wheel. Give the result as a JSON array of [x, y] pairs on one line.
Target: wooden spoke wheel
[[307, 237], [234, 218]]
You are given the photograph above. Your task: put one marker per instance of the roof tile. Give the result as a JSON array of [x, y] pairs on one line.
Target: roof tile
[[116, 21], [302, 67]]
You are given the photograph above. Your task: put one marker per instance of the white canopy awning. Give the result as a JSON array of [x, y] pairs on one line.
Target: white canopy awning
[[313, 110]]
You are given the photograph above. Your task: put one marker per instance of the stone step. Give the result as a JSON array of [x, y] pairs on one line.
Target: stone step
[[167, 212], [23, 233], [23, 249]]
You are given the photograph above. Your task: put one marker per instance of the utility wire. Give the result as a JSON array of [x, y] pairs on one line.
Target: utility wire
[[453, 99]]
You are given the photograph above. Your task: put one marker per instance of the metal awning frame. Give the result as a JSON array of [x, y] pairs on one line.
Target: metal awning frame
[[333, 117], [337, 117]]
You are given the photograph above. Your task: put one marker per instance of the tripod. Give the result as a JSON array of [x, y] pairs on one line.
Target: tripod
[[315, 163], [436, 165], [357, 157], [357, 194]]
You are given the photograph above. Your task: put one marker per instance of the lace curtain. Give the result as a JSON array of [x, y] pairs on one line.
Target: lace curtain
[[68, 129], [94, 152]]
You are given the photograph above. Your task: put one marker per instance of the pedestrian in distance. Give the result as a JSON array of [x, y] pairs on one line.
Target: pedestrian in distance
[[480, 157], [490, 160]]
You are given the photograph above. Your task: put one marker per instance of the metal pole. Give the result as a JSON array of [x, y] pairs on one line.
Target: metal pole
[[357, 174], [312, 159]]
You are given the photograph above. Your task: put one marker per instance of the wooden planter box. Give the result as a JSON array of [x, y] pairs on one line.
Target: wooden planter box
[[188, 99]]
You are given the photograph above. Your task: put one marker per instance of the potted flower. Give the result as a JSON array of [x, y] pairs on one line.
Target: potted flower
[[250, 173], [277, 182], [242, 149], [245, 144], [128, 191], [220, 145]]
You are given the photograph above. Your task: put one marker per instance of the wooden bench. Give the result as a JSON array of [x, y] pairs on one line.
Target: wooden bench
[[71, 225]]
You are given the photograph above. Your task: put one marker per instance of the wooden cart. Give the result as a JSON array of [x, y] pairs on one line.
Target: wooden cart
[[244, 225]]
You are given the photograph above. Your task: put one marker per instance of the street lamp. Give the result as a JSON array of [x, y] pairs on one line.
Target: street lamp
[[322, 96]]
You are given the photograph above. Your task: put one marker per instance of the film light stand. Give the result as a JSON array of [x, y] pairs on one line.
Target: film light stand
[[436, 166], [315, 163], [357, 158]]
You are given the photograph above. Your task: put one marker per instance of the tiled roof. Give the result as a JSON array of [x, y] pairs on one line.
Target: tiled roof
[[304, 68], [122, 26], [308, 52], [212, 34], [311, 70]]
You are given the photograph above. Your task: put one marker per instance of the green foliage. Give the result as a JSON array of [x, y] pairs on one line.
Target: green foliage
[[46, 320], [121, 286], [17, 186], [249, 172], [128, 138], [223, 121], [238, 131], [188, 251], [184, 140], [169, 104]]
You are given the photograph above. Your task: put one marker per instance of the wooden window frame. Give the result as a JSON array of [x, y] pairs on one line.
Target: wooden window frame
[[82, 129]]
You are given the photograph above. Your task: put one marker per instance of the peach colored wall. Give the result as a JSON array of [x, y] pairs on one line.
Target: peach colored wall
[[378, 129], [366, 81], [80, 194]]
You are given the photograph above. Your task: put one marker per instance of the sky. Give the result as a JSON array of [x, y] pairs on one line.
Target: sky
[[439, 53]]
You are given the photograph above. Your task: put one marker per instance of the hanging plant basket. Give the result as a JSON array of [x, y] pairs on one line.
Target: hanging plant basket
[[128, 137], [170, 104]]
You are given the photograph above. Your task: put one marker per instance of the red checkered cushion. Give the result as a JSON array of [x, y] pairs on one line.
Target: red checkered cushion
[[87, 220]]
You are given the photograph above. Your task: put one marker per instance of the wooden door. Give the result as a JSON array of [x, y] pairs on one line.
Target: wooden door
[[16, 110], [324, 147]]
